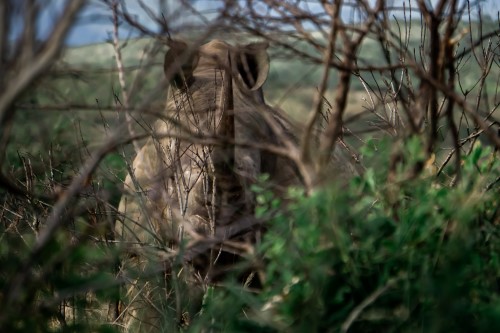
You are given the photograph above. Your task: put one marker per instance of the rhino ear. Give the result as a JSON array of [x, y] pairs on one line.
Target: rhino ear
[[179, 65], [252, 65]]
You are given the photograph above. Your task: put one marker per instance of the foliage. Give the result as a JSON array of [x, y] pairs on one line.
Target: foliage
[[409, 255], [62, 288], [403, 255], [409, 245]]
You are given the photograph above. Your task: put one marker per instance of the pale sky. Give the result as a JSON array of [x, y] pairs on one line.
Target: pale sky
[[95, 25]]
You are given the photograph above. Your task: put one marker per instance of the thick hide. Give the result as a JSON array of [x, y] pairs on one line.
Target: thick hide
[[190, 177]]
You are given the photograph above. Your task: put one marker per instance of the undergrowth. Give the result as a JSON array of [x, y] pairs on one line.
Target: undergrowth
[[389, 251], [409, 255]]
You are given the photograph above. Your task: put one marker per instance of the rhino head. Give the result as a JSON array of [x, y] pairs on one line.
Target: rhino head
[[199, 174]]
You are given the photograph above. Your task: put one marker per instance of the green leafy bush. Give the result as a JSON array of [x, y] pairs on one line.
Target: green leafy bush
[[386, 253]]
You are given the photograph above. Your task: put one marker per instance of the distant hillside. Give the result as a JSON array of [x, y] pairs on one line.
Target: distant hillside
[[292, 81]]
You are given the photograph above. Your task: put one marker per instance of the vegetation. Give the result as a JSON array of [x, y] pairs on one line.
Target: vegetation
[[410, 244], [408, 255]]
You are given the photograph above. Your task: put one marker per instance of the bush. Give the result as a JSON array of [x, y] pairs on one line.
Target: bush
[[407, 255]]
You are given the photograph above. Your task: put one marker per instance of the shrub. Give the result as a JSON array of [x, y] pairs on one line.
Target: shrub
[[407, 255]]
